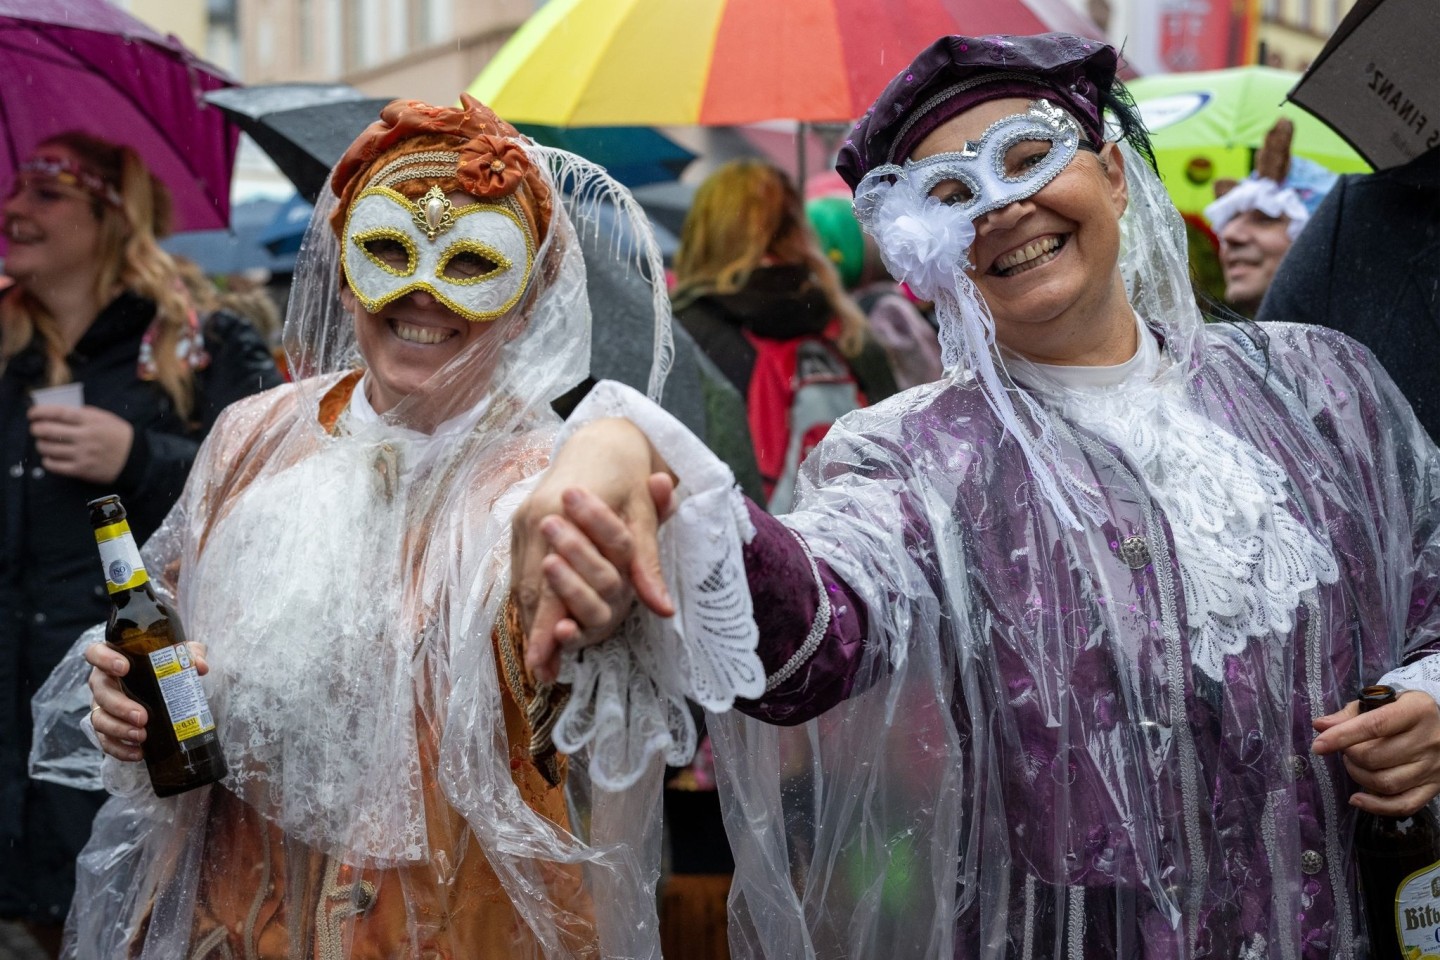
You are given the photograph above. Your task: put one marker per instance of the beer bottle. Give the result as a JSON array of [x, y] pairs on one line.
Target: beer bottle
[[1399, 861], [181, 748]]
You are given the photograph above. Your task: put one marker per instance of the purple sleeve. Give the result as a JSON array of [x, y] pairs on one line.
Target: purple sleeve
[[785, 597]]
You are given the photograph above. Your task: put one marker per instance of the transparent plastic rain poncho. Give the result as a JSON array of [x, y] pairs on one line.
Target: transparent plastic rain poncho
[[381, 800], [1068, 714]]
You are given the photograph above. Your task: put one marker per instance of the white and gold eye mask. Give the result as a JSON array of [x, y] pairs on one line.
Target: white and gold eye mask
[[475, 259]]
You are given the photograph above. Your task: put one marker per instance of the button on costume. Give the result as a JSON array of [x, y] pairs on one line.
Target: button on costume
[[394, 789]]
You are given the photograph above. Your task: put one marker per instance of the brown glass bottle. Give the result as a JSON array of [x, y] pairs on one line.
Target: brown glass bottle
[[1399, 862], [181, 747]]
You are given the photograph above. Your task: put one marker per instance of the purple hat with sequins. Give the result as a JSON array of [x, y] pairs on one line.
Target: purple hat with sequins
[[953, 74]]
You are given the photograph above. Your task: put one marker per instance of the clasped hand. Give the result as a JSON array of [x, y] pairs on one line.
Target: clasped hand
[[584, 544], [1392, 753]]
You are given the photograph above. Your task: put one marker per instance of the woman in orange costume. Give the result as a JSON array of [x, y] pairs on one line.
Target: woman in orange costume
[[341, 551]]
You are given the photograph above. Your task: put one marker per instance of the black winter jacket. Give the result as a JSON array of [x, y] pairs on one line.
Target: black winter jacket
[[51, 587], [1368, 264]]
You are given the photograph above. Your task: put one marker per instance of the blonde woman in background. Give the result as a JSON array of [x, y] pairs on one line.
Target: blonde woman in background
[[94, 302], [751, 276]]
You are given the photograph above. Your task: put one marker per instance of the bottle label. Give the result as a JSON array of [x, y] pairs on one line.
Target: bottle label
[[180, 688], [120, 557], [1417, 914]]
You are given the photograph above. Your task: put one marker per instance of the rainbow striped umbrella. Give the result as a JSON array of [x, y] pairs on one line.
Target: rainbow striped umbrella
[[723, 62]]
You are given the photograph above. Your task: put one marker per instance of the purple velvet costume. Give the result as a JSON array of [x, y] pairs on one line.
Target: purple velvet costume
[[1016, 756]]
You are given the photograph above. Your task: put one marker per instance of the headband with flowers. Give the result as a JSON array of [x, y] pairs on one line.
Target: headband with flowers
[[71, 173], [489, 163]]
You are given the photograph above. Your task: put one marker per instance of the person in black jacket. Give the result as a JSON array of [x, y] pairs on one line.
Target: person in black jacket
[[1368, 265], [94, 302]]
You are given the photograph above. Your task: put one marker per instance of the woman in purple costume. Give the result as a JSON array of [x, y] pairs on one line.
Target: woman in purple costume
[[1065, 624]]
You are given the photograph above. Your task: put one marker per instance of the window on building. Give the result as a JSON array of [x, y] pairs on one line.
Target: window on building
[[265, 44], [334, 38], [305, 31], [363, 31], [397, 27], [436, 21]]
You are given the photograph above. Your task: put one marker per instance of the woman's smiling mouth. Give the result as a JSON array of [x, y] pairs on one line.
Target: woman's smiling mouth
[[1033, 254], [415, 333]]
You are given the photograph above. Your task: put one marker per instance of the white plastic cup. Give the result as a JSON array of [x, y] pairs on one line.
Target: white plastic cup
[[65, 395]]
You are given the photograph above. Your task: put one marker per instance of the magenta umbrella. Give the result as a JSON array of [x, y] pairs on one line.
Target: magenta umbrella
[[86, 65]]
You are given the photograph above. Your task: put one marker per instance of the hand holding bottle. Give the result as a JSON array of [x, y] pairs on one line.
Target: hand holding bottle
[[1391, 752], [119, 721]]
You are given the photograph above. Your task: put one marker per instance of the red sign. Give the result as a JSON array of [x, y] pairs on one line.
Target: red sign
[[1205, 34]]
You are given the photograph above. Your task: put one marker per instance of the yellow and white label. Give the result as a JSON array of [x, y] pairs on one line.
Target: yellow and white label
[[1417, 914], [120, 557], [180, 688]]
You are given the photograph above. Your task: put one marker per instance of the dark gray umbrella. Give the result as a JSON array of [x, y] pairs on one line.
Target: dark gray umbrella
[[1374, 81], [304, 127], [624, 321], [667, 203]]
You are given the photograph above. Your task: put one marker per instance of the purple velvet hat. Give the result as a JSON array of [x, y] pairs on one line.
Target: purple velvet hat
[[955, 73]]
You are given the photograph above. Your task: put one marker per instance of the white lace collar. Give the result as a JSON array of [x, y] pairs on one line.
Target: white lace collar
[[1244, 558], [417, 448]]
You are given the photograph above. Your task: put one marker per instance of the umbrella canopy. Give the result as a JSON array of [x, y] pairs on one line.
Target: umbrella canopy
[[86, 65], [286, 230], [1207, 126], [1374, 81], [679, 62], [303, 127], [635, 156], [241, 247]]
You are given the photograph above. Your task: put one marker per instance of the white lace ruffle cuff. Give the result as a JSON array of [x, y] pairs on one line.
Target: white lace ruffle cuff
[[1422, 674], [627, 700]]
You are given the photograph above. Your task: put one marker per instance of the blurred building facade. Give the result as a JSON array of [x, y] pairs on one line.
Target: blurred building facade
[[1174, 35], [427, 49], [1293, 31], [208, 27]]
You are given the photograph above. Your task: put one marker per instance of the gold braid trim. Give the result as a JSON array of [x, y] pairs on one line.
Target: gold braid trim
[[540, 703]]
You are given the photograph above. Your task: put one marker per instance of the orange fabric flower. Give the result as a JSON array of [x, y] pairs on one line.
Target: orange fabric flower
[[491, 167]]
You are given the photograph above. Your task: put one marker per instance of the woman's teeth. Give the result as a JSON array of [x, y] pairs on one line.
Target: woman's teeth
[[1028, 257], [411, 333], [18, 233]]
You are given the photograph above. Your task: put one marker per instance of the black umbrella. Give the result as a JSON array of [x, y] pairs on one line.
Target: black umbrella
[[304, 127], [1374, 81]]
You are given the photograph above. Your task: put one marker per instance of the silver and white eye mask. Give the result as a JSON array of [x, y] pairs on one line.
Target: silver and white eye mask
[[924, 238], [475, 259], [1013, 159]]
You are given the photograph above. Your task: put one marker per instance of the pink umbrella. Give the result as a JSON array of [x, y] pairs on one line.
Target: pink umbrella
[[86, 65]]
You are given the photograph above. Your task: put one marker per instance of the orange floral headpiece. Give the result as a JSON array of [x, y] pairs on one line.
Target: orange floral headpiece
[[491, 163]]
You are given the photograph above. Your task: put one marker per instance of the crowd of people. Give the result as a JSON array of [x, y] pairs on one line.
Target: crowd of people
[[1040, 635]]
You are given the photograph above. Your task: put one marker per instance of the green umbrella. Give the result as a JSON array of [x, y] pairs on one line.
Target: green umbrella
[[1207, 126]]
